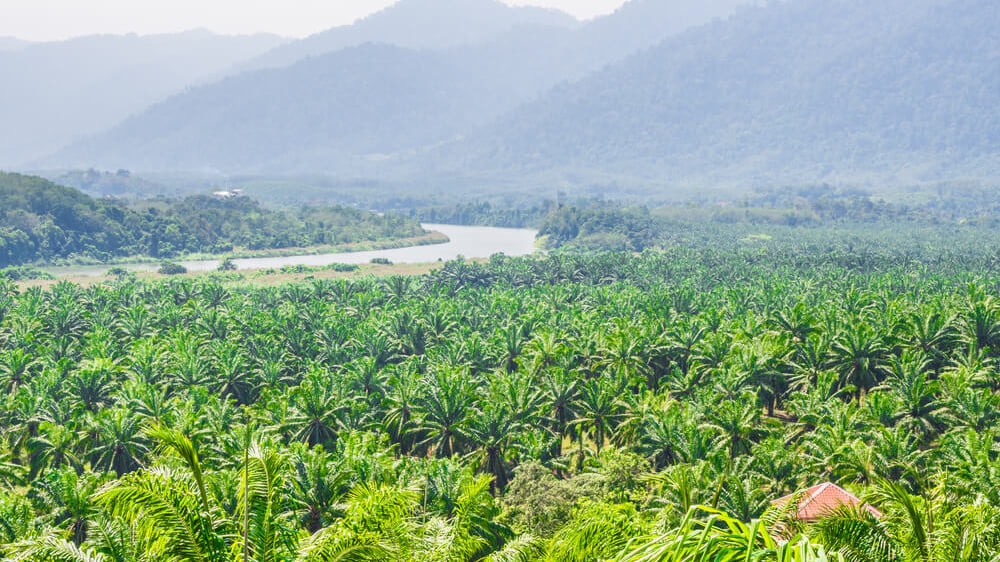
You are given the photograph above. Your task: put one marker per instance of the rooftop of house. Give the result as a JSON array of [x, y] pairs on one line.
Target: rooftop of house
[[821, 500]]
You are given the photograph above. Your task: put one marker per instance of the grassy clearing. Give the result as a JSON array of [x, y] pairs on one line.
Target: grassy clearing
[[268, 277]]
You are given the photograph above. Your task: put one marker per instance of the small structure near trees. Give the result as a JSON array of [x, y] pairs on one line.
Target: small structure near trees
[[822, 500]]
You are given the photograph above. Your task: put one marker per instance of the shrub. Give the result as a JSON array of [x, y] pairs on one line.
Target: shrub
[[24, 273], [341, 267], [120, 273], [227, 265], [171, 268]]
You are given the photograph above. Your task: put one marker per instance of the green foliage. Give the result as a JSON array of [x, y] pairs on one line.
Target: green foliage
[[487, 214], [595, 532], [540, 502], [171, 268], [557, 407], [227, 264], [41, 221], [342, 267], [707, 534], [24, 273], [120, 273], [601, 228]]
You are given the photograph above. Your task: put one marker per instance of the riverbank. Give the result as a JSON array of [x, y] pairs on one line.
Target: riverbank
[[469, 242], [267, 277], [428, 239]]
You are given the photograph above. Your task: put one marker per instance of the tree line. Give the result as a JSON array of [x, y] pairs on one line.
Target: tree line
[[44, 222]]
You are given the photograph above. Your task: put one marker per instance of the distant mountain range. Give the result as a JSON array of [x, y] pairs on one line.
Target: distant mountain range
[[56, 92], [807, 91], [419, 24], [661, 93], [339, 111], [12, 44], [371, 99]]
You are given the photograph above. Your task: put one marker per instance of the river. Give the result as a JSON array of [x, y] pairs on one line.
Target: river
[[467, 241]]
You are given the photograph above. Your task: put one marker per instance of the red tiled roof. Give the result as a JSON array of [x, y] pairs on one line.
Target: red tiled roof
[[823, 499]]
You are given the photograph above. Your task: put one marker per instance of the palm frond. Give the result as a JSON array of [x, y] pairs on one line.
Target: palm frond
[[857, 535], [51, 548], [175, 440], [524, 548], [161, 504]]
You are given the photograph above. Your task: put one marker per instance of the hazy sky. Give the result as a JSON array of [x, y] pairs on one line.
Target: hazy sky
[[40, 20]]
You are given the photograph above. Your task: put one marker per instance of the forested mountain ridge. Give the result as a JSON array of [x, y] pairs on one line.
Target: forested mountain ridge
[[806, 90], [41, 221], [890, 93], [59, 91], [640, 24], [362, 109], [320, 112], [418, 24]]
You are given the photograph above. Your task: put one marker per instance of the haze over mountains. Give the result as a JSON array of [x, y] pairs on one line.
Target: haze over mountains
[[59, 91], [895, 91], [12, 44], [419, 24], [323, 113], [661, 93]]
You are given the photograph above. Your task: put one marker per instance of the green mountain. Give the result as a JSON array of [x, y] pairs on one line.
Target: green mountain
[[368, 110], [804, 91], [316, 115], [419, 24]]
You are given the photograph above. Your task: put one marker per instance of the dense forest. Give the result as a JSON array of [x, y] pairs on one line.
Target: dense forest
[[609, 406], [966, 214], [42, 222], [484, 213], [794, 91]]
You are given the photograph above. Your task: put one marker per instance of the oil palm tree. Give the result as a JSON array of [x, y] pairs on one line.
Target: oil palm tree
[[171, 520], [55, 446], [919, 408], [93, 382], [402, 403], [16, 368], [979, 325], [661, 434], [445, 409], [561, 390], [67, 497], [598, 411], [318, 487], [859, 355], [623, 355], [736, 423], [120, 445], [316, 410], [491, 433]]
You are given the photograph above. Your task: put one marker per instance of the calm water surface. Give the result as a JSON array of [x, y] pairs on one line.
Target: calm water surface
[[468, 241]]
